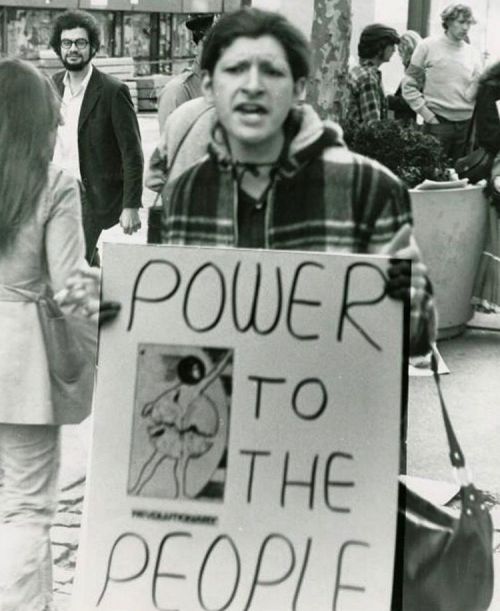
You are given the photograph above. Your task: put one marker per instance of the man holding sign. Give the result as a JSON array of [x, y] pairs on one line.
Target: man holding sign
[[277, 177], [240, 479]]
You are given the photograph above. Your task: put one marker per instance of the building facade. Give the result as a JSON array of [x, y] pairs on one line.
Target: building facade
[[151, 32]]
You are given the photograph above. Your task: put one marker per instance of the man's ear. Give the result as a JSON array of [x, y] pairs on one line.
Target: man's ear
[[299, 88], [206, 87]]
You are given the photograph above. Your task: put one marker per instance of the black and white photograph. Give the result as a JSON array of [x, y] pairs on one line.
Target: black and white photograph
[[189, 189]]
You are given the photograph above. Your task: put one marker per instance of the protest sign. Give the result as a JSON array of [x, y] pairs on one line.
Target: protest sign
[[246, 433]]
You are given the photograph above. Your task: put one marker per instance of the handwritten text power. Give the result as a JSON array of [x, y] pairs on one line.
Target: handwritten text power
[[257, 301]]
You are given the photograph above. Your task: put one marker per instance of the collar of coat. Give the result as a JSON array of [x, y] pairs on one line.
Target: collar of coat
[[306, 136]]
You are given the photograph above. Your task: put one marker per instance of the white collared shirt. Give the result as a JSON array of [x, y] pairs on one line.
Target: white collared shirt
[[66, 150]]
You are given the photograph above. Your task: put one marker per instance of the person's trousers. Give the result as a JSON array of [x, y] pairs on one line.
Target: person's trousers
[[92, 230], [29, 464], [453, 136]]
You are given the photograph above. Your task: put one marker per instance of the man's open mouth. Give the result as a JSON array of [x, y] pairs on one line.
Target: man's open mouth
[[251, 109]]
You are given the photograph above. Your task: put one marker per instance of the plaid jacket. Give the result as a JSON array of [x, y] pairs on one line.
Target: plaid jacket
[[367, 100], [325, 198]]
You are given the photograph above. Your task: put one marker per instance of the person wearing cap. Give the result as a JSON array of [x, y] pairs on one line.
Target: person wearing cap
[[186, 85], [367, 99], [441, 81]]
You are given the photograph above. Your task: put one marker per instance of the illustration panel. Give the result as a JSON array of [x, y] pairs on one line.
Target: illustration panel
[[180, 428]]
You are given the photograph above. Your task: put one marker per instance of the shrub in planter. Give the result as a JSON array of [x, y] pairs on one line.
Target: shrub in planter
[[449, 223], [404, 149]]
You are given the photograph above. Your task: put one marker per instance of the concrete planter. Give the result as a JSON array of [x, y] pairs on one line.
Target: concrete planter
[[450, 226]]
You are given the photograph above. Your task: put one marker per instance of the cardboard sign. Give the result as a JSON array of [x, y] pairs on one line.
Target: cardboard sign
[[246, 434]]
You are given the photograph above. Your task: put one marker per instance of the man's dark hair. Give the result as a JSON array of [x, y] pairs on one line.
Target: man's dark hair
[[199, 26], [374, 39], [76, 19], [253, 23]]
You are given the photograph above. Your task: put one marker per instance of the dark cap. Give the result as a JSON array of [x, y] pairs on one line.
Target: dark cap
[[199, 23], [378, 31]]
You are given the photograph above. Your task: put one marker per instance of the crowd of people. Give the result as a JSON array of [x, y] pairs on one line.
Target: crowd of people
[[447, 91], [248, 164]]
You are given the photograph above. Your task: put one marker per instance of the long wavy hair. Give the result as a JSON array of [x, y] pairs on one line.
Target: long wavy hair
[[407, 44], [29, 114]]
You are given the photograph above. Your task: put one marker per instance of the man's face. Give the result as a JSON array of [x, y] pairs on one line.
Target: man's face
[[75, 58], [253, 90], [458, 29], [388, 52]]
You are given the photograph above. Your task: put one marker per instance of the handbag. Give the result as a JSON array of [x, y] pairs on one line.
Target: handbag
[[70, 347], [475, 166], [444, 562]]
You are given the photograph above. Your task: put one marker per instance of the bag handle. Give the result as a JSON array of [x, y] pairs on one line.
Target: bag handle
[[457, 457]]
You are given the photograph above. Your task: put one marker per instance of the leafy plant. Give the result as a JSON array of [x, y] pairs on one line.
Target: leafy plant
[[403, 148]]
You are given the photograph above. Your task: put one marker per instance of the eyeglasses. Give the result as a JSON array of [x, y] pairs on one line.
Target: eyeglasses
[[80, 43]]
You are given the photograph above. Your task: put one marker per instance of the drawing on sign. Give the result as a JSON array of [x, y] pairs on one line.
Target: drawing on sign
[[181, 422]]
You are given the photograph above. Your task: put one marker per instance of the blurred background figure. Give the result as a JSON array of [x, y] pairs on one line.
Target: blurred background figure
[[187, 85], [402, 112], [487, 112], [367, 99], [440, 84], [41, 245]]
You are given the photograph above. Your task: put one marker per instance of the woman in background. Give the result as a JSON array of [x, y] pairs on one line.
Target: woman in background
[[486, 295], [41, 246], [407, 43]]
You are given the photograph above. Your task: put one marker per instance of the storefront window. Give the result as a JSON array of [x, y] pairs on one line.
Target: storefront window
[[182, 41], [28, 31], [106, 26], [137, 40], [164, 41]]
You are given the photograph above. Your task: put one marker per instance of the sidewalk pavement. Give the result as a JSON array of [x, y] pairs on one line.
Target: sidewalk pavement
[[472, 390]]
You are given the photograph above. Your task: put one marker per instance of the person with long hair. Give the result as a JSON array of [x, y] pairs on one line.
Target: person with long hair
[[402, 112], [41, 247], [486, 294]]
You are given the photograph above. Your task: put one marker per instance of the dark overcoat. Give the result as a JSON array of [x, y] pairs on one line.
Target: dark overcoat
[[109, 147]]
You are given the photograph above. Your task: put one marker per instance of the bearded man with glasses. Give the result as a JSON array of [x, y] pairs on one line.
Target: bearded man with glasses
[[98, 141]]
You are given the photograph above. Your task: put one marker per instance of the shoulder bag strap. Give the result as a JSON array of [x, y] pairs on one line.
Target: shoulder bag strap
[[457, 458], [471, 133]]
